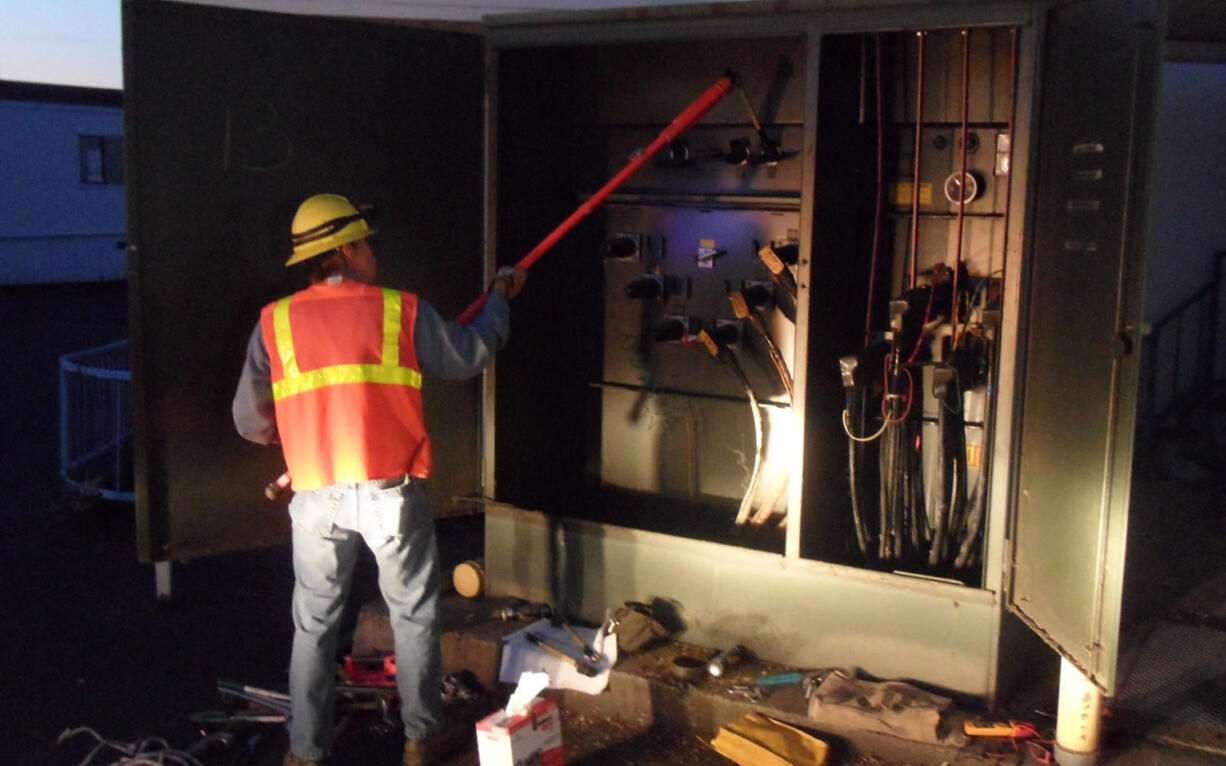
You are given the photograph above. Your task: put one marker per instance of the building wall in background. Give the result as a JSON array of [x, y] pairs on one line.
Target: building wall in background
[[62, 219]]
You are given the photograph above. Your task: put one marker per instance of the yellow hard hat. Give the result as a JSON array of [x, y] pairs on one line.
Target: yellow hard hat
[[324, 222]]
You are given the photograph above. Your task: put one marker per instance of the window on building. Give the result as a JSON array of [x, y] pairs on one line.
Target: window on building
[[101, 159]]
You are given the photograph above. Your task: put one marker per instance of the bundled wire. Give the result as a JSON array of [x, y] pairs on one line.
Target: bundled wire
[[151, 751], [740, 308], [951, 462], [856, 407], [978, 500], [767, 509], [879, 195], [904, 516], [724, 355], [893, 460]]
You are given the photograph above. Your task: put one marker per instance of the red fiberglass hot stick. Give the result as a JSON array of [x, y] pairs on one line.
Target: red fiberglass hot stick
[[681, 123]]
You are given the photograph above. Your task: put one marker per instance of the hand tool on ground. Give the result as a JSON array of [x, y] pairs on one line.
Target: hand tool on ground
[[525, 610], [275, 701], [583, 668], [1007, 729], [218, 740], [226, 718], [373, 670], [365, 690], [720, 663], [588, 651], [781, 679], [751, 692]]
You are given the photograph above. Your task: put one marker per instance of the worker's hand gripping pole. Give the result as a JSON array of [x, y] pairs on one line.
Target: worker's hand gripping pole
[[682, 122]]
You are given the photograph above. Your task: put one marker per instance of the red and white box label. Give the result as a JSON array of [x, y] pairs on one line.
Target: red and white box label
[[531, 739]]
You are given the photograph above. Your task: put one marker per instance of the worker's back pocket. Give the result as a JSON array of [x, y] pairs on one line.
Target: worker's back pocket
[[402, 508], [314, 511]]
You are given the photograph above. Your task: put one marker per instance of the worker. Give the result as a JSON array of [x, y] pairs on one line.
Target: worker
[[341, 393]]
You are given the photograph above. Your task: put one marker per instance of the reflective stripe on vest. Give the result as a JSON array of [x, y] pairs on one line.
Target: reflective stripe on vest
[[387, 371]]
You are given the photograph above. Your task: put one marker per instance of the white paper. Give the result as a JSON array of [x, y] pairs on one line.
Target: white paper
[[520, 655], [530, 684]]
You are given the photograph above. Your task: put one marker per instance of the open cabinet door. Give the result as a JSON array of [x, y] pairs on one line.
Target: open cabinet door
[[1100, 60], [232, 119]]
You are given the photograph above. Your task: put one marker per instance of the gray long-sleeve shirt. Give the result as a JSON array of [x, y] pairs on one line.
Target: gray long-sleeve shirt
[[446, 350]]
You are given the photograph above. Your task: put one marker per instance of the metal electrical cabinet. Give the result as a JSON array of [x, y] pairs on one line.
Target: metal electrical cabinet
[[646, 446], [805, 378]]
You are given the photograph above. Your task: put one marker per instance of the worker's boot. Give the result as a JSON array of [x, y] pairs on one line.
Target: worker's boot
[[417, 752], [293, 760]]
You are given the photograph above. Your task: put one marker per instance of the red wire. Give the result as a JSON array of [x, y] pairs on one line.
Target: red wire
[[966, 48], [927, 315], [1025, 734], [877, 212]]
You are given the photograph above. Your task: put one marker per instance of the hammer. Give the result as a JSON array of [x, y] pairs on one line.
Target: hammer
[[583, 668]]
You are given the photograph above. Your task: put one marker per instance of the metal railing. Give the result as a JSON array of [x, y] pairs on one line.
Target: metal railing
[[1180, 357], [95, 421]]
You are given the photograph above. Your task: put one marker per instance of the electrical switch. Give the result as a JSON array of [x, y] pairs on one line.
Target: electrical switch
[[677, 155], [623, 247], [649, 287], [672, 329], [727, 332], [758, 294]]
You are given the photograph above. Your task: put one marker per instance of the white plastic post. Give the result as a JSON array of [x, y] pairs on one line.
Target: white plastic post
[[1078, 718], [161, 578]]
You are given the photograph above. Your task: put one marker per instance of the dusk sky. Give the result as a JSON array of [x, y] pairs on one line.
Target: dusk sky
[[67, 42], [78, 42]]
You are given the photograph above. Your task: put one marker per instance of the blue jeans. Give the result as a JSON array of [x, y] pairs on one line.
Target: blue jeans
[[393, 517]]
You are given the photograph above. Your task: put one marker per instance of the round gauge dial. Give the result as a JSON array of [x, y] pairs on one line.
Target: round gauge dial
[[962, 187]]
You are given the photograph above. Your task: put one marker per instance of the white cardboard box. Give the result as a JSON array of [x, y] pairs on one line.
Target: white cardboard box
[[531, 739]]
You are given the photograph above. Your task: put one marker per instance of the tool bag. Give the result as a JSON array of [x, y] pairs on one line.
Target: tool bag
[[636, 626]]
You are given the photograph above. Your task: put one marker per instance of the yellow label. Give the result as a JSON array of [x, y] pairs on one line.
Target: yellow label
[[974, 455], [708, 342], [707, 243], [739, 307], [900, 193], [768, 256]]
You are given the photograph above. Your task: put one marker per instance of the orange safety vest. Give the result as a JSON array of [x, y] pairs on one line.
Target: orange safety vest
[[346, 384]]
